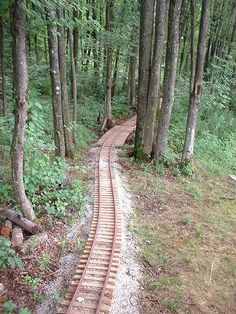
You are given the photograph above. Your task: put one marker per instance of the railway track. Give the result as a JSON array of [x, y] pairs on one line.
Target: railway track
[[90, 291]]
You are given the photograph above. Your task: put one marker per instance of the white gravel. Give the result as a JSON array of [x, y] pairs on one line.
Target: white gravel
[[126, 294]]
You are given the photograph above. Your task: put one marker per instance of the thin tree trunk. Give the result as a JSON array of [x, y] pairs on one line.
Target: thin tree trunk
[[64, 92], [169, 79], [233, 37], [3, 91], [74, 86], [109, 51], [20, 73], [113, 91], [145, 50], [59, 137], [196, 94], [45, 49], [155, 78], [94, 36], [75, 37], [192, 38], [132, 78]]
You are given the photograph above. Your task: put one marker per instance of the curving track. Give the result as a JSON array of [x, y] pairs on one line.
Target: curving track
[[90, 291]]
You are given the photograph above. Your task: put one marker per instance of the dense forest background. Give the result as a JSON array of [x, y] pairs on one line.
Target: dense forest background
[[95, 62], [70, 69]]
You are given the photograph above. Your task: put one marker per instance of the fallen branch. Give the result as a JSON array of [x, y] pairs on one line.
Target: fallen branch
[[24, 223]]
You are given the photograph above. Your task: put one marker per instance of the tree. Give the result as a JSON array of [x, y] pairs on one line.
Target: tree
[[59, 137], [169, 79], [109, 52], [74, 84], [132, 77], [155, 77], [145, 50], [20, 74], [64, 92], [197, 85], [3, 79]]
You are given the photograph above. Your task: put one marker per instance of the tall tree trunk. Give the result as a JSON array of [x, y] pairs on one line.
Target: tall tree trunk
[[192, 39], [145, 50], [113, 91], [36, 48], [233, 38], [3, 89], [64, 92], [59, 137], [169, 79], [94, 36], [197, 87], [74, 85], [20, 73], [75, 37], [155, 78], [109, 51], [132, 78]]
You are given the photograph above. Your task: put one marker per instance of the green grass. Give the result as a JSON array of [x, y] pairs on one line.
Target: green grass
[[185, 227]]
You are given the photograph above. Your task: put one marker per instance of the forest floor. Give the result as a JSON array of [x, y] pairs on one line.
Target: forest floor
[[49, 264], [178, 243], [185, 231]]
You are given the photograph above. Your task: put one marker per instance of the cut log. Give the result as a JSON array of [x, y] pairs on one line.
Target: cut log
[[34, 242], [6, 228], [19, 220], [17, 237]]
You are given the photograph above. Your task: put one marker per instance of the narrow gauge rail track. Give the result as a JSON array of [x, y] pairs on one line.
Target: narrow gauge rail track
[[90, 291]]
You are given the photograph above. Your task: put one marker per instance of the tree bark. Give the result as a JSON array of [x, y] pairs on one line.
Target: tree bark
[[59, 137], [192, 39], [145, 50], [17, 237], [74, 85], [24, 223], [75, 37], [197, 87], [20, 74], [169, 79], [233, 37], [113, 91], [3, 91], [109, 51], [64, 92], [132, 78], [94, 36], [155, 78]]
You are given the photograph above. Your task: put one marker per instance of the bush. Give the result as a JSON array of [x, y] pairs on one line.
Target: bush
[[8, 257]]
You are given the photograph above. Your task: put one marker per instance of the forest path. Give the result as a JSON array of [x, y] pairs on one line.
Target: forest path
[[92, 286]]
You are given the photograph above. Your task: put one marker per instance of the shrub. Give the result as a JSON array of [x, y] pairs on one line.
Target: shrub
[[8, 257]]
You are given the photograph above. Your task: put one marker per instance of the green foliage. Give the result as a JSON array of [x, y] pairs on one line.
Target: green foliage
[[120, 106], [9, 306], [43, 173], [5, 192], [215, 143], [8, 257], [25, 310], [32, 282], [56, 201], [84, 136], [43, 261]]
